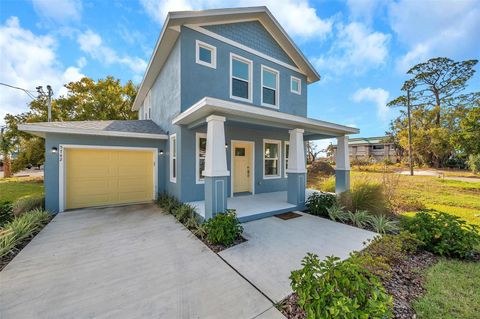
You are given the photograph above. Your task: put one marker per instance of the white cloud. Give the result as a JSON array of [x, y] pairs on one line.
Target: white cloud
[[356, 49], [435, 28], [378, 96], [61, 11], [297, 17], [28, 60], [364, 10], [91, 43]]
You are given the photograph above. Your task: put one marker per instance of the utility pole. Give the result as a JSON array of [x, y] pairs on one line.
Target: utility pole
[[48, 95], [409, 133]]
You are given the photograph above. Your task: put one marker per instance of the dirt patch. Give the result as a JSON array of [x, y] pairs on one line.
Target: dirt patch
[[219, 248], [405, 285]]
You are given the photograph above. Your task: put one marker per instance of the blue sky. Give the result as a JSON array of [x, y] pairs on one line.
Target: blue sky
[[361, 48]]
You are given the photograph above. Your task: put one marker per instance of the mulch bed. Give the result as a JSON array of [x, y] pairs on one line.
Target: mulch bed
[[219, 248], [405, 285]]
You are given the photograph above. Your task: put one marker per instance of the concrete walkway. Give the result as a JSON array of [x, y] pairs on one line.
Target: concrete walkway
[[124, 262], [275, 247]]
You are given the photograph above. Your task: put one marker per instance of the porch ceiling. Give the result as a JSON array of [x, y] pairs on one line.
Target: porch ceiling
[[238, 112]]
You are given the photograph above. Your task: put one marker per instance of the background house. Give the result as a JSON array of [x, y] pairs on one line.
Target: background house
[[375, 149]]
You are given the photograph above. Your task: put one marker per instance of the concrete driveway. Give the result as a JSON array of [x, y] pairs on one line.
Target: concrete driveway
[[124, 262], [275, 247]]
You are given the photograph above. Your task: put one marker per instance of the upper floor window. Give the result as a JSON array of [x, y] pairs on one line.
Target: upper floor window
[[240, 78], [270, 79], [206, 54], [295, 85]]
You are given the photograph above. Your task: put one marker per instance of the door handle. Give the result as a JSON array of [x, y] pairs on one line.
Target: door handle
[[248, 171]]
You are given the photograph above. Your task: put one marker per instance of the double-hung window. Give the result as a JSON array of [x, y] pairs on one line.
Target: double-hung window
[[240, 78], [201, 150], [295, 85], [270, 86], [287, 148], [206, 54], [271, 158], [173, 158]]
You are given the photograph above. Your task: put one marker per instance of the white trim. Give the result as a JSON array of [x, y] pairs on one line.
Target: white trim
[[173, 179], [279, 158], [252, 143], [277, 89], [292, 79], [62, 167], [285, 158], [198, 135], [213, 51], [32, 128], [208, 105], [243, 47], [250, 77]]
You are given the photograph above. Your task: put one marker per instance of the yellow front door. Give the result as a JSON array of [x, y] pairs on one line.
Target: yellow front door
[[99, 177], [242, 167]]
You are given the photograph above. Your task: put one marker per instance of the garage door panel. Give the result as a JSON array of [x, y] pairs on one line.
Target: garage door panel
[[98, 177]]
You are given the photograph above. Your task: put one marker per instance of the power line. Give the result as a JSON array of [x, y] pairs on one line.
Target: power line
[[21, 89]]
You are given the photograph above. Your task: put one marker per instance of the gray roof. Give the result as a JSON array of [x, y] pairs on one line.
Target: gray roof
[[111, 128]]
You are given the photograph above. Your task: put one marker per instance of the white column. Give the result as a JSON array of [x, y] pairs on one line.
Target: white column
[[296, 152], [215, 157], [342, 158]]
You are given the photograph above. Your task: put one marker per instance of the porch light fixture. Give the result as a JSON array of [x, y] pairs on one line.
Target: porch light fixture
[[54, 150], [161, 152], [226, 145]]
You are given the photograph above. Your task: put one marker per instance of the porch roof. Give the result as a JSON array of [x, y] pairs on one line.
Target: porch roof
[[314, 129]]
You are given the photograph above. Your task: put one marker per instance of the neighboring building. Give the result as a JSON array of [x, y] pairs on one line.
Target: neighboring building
[[222, 113], [371, 148]]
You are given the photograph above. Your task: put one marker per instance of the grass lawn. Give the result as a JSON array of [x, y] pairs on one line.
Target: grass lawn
[[14, 188], [455, 197], [452, 291]]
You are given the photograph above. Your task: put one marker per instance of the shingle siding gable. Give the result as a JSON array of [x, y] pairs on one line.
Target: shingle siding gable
[[253, 35]]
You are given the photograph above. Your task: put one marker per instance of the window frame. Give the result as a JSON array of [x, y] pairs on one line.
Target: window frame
[[279, 156], [277, 90], [173, 156], [234, 56], [294, 78], [199, 44], [198, 136], [285, 157]]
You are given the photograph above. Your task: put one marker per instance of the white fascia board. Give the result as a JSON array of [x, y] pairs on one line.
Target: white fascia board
[[208, 105], [41, 131]]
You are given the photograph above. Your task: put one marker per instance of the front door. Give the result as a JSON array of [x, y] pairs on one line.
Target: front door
[[242, 167]]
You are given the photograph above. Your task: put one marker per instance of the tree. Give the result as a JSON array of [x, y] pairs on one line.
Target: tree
[[105, 99], [6, 147], [312, 152]]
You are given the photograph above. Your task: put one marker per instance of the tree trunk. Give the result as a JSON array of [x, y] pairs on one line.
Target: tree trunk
[[7, 170], [437, 107]]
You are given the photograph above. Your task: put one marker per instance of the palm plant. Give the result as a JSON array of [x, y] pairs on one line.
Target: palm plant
[[382, 224], [360, 218], [336, 213]]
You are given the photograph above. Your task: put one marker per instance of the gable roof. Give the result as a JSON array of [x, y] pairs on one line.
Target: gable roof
[[171, 31]]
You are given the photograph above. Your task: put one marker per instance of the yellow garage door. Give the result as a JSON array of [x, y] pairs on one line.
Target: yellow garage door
[[98, 177]]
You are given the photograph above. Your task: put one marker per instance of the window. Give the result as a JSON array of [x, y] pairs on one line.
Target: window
[[240, 78], [295, 85], [271, 158], [270, 78], [206, 54], [173, 158], [200, 156], [240, 151], [378, 147], [287, 148]]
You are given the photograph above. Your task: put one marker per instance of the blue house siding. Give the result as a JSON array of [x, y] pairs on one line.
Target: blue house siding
[[198, 81], [253, 35], [191, 191], [51, 180]]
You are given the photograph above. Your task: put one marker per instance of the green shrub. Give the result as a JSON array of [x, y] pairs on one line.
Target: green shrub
[[223, 229], [21, 228], [360, 218], [334, 289], [473, 162], [336, 213], [382, 224], [168, 203], [184, 212], [5, 213], [444, 234], [365, 195], [26, 204], [318, 202], [328, 185]]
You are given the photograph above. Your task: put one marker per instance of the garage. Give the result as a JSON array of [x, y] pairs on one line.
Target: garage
[[99, 176]]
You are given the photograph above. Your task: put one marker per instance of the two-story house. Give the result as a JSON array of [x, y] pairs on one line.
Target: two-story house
[[222, 124]]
